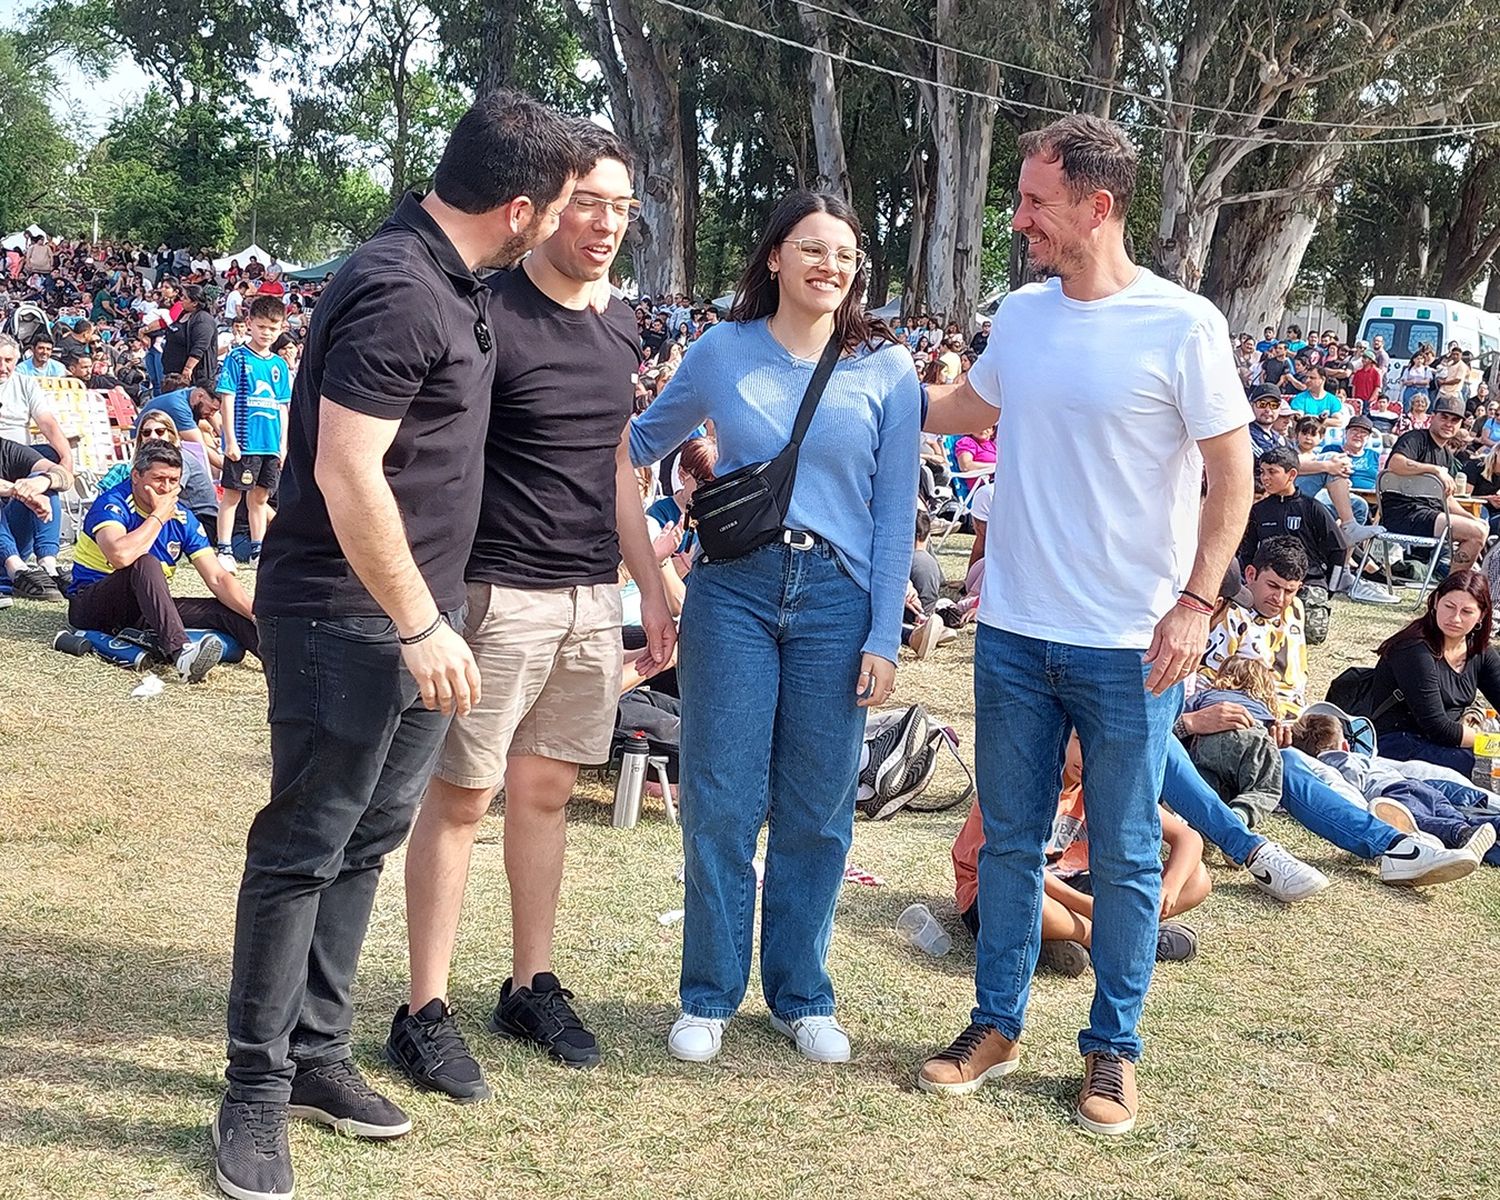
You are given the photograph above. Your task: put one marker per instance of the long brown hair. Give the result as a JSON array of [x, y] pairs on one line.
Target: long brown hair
[[759, 294], [1425, 628]]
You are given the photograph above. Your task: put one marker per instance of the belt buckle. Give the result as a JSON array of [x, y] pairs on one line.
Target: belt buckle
[[798, 539]]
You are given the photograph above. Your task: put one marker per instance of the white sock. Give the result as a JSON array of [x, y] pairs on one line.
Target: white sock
[[14, 565], [49, 564]]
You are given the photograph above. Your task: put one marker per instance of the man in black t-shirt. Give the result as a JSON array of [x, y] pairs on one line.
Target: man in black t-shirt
[[1427, 452], [560, 509], [27, 477], [361, 589]]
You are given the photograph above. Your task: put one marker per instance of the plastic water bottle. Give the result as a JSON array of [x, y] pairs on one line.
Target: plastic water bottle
[[919, 927], [1487, 745], [632, 781]]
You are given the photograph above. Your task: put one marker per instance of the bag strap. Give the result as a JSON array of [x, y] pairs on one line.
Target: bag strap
[[815, 388], [1385, 706]]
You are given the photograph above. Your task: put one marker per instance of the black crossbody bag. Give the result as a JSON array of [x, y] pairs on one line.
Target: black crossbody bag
[[747, 508]]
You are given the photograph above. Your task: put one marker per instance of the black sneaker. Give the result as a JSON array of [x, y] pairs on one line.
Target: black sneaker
[[427, 1047], [1175, 942], [336, 1095], [33, 583], [252, 1159], [540, 1014], [63, 577]]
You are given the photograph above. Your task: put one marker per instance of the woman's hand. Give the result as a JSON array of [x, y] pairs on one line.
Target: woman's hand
[[877, 680]]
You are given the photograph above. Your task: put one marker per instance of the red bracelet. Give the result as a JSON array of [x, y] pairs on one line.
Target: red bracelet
[[1195, 605]]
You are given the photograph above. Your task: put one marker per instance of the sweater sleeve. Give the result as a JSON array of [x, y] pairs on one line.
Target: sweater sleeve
[[1489, 676], [1415, 671], [682, 406], [892, 509]]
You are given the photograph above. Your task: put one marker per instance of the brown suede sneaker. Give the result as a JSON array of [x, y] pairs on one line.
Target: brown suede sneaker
[[980, 1053], [1107, 1102]]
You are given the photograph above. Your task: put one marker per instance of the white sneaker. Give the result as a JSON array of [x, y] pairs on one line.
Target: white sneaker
[[198, 658], [821, 1039], [924, 638], [1283, 876], [1412, 861], [1481, 840], [228, 562], [6, 601], [1357, 533], [695, 1039], [1367, 591]]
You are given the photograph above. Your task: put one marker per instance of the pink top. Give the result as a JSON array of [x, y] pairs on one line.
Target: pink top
[[983, 451]]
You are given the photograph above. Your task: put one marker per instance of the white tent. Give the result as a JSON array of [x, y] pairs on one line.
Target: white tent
[[243, 258], [888, 311], [19, 241]]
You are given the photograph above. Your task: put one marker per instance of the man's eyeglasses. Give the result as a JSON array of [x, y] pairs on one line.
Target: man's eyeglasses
[[815, 252], [591, 206]]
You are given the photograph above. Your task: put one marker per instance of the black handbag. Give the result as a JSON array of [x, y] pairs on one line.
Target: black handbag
[[747, 508]]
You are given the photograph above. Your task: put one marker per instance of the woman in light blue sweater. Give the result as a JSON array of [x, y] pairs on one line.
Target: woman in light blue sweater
[[781, 649]]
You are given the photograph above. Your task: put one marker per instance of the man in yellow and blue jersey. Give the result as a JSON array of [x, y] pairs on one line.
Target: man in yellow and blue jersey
[[132, 539]]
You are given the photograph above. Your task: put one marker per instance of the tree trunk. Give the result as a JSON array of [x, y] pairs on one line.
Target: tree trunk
[[499, 24], [977, 140], [1422, 233], [914, 295], [823, 101], [687, 118], [1181, 234], [942, 236], [1492, 291], [1106, 48]]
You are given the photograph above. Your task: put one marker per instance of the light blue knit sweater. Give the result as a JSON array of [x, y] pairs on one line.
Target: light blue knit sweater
[[857, 474]]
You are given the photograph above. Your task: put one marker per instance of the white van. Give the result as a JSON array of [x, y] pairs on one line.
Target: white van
[[1405, 322]]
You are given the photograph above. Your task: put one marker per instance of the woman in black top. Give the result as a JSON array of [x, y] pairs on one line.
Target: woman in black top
[[1433, 669]]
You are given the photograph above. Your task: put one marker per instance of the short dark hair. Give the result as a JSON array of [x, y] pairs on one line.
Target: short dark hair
[[194, 293], [1280, 456], [1309, 425], [76, 357], [507, 146], [41, 339], [267, 308], [1096, 155], [596, 142], [924, 524], [1284, 555], [156, 454]]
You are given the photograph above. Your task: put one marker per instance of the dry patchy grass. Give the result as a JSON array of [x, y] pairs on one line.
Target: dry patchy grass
[[1334, 1049]]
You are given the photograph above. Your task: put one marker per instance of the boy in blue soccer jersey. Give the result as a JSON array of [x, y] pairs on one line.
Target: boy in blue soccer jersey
[[255, 387], [129, 545]]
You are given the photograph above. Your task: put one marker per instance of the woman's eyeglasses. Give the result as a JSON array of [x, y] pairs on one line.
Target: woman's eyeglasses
[[156, 431], [815, 252]]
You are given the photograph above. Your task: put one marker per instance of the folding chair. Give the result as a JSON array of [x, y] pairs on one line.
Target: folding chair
[[965, 499], [1388, 483]]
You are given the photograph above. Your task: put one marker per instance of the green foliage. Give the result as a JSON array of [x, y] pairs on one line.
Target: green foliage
[[35, 149]]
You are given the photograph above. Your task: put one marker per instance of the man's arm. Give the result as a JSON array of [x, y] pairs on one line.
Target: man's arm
[[1181, 635], [362, 509], [222, 584], [120, 548], [645, 568], [957, 408]]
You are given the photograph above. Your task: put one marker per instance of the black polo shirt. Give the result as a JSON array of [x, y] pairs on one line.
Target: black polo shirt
[[392, 337]]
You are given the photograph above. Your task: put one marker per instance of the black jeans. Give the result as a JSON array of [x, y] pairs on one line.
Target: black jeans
[[141, 595], [351, 752]]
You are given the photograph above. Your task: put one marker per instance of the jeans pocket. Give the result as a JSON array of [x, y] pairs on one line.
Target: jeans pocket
[[369, 630]]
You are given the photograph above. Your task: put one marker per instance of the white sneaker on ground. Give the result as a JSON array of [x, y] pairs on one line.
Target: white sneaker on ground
[[1393, 813], [198, 658], [1357, 533], [6, 601], [1413, 861], [228, 562], [924, 638], [695, 1039], [1283, 876], [821, 1039], [1481, 840], [1367, 591]]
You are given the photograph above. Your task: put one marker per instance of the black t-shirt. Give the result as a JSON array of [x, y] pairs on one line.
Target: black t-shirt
[[395, 337], [1302, 517], [16, 460], [564, 389], [1418, 446], [1273, 369], [193, 334]]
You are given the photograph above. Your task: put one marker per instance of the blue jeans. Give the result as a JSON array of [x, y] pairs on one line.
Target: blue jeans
[[1449, 811], [1187, 794], [1317, 807], [768, 666], [1401, 746], [1027, 693], [22, 532]]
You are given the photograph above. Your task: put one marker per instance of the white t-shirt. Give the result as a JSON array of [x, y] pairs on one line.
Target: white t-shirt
[[1097, 479], [232, 304], [21, 400], [979, 505]]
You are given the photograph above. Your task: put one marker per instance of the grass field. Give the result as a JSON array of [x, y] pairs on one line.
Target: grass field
[[1333, 1049]]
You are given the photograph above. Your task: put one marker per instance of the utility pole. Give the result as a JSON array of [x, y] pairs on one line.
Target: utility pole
[[96, 212], [254, 194]]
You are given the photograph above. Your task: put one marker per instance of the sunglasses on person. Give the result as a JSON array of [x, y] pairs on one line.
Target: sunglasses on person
[[815, 252], [156, 431]]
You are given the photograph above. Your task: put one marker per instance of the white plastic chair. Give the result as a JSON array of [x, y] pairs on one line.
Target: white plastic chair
[[1429, 487]]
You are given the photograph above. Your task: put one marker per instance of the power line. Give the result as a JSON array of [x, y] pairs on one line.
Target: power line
[[1092, 81], [1269, 139]]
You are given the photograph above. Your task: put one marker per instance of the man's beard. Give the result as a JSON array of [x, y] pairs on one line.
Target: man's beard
[[515, 248]]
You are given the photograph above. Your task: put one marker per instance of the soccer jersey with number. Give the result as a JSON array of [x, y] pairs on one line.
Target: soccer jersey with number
[[262, 388]]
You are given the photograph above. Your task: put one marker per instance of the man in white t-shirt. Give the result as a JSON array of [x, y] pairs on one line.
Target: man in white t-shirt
[[1100, 569]]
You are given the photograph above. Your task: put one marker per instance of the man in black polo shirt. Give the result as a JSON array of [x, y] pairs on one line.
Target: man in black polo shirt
[[560, 509], [1426, 452], [359, 597]]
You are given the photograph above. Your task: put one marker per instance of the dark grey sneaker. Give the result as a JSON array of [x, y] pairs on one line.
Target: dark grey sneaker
[[1175, 942], [252, 1159], [336, 1095], [429, 1049], [540, 1014]]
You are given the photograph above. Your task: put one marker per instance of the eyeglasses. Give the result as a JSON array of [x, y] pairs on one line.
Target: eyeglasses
[[815, 252], [156, 431], [590, 206]]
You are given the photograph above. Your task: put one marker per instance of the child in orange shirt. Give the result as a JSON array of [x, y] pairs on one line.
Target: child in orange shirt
[[1068, 903]]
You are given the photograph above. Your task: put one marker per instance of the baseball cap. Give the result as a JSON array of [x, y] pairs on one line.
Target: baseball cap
[[1263, 391], [1361, 423], [1449, 405]]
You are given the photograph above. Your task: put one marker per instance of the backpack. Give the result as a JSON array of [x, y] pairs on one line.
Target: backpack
[[1353, 689], [899, 759], [659, 717]]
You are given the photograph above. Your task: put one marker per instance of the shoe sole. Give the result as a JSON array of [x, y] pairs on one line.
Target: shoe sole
[[1393, 813], [906, 746], [1118, 1129], [1064, 958], [923, 642], [210, 651], [1480, 842], [1451, 872], [509, 1035], [234, 1190], [786, 1030], [347, 1126], [483, 1093], [684, 1056], [969, 1087]]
